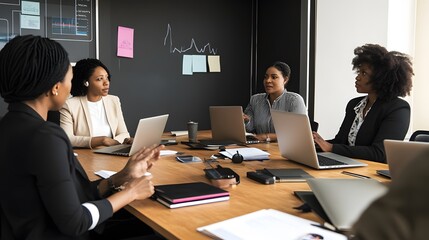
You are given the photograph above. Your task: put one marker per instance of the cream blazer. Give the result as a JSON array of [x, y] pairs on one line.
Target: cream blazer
[[76, 122]]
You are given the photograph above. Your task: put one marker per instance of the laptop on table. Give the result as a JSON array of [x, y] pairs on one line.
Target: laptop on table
[[344, 200], [295, 140], [149, 131], [227, 126], [399, 154]]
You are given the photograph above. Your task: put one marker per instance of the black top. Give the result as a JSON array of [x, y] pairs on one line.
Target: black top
[[385, 120], [43, 185]]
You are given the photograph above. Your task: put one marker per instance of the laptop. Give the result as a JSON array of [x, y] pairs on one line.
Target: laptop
[[399, 154], [344, 200], [295, 140], [149, 131], [227, 126]]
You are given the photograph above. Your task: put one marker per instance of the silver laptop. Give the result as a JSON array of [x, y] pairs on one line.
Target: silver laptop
[[344, 200], [399, 154], [227, 125], [295, 140], [149, 131]]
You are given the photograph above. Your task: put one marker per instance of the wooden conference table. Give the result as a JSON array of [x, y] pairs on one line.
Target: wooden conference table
[[248, 196]]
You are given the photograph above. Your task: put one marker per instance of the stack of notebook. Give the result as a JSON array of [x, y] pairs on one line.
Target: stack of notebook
[[189, 194]]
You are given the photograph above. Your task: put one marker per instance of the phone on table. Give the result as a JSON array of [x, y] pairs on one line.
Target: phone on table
[[188, 159]]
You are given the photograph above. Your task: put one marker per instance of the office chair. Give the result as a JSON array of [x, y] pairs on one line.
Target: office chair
[[314, 125], [420, 136]]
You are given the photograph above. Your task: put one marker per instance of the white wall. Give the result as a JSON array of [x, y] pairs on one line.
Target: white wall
[[341, 26], [420, 94]]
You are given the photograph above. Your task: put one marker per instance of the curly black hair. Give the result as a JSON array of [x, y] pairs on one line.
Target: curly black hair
[[392, 71], [82, 71]]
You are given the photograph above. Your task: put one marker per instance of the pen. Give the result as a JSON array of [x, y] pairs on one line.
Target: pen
[[355, 175]]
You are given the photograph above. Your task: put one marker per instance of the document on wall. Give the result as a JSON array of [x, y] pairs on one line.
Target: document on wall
[[268, 224]]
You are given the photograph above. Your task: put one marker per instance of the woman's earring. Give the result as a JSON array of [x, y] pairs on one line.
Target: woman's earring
[[56, 93], [86, 84]]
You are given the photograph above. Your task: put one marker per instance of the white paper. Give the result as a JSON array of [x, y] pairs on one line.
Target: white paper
[[167, 152], [247, 153], [179, 133], [105, 173], [267, 224]]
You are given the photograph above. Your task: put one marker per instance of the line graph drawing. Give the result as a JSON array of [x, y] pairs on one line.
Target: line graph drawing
[[193, 45]]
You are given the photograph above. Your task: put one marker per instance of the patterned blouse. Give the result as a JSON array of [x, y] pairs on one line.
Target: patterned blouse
[[354, 129]]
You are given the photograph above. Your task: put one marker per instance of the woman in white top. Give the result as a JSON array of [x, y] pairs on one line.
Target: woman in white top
[[92, 117]]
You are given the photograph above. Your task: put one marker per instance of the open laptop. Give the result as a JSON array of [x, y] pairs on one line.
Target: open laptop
[[399, 154], [149, 131], [227, 126], [295, 140], [344, 200]]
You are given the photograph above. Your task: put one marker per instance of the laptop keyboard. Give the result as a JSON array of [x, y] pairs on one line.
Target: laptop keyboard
[[324, 161], [123, 151]]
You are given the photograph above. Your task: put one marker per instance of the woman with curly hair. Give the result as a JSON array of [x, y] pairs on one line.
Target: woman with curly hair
[[93, 117], [384, 76]]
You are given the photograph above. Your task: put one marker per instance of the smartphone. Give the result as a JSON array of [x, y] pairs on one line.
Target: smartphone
[[188, 159]]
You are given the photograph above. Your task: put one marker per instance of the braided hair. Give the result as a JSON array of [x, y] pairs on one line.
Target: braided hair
[[30, 66], [391, 71], [82, 71]]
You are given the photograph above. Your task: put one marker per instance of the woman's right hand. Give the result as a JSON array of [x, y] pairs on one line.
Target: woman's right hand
[[141, 188], [107, 141]]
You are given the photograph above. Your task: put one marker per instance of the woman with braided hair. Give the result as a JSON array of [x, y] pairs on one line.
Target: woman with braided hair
[[46, 192], [92, 117], [384, 76]]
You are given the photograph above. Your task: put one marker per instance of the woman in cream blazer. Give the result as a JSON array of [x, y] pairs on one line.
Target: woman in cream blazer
[[90, 88]]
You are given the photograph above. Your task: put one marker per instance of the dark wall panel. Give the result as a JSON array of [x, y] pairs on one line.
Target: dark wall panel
[[152, 82]]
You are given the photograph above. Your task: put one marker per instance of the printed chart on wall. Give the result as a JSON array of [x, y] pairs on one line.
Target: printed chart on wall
[[194, 63], [70, 22]]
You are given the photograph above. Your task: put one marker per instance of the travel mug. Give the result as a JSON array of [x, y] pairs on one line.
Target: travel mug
[[192, 131]]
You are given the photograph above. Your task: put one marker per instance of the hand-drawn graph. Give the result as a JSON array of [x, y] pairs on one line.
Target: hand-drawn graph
[[169, 40], [194, 63]]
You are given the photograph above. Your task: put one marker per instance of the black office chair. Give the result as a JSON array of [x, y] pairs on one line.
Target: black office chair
[[420, 136], [314, 126]]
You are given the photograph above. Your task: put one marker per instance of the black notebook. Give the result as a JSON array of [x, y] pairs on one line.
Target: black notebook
[[288, 174], [188, 194]]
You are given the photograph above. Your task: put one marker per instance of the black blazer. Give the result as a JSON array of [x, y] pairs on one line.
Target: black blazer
[[43, 185], [386, 120]]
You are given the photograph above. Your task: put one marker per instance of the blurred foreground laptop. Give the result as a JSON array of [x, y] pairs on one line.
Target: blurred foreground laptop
[[149, 131], [344, 200], [295, 140], [227, 126], [399, 154]]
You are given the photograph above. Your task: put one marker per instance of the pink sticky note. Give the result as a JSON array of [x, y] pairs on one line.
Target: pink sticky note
[[125, 42]]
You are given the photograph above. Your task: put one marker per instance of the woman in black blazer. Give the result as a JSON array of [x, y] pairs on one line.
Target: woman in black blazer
[[384, 76], [46, 193]]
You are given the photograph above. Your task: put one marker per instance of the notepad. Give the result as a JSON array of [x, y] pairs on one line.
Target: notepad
[[247, 153], [288, 174], [188, 194]]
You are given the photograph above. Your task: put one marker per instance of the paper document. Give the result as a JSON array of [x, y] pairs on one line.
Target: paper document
[[268, 224], [167, 152], [179, 133], [247, 153]]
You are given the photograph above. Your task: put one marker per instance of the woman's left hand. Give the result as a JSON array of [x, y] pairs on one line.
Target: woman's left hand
[[128, 141], [324, 145], [140, 162]]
